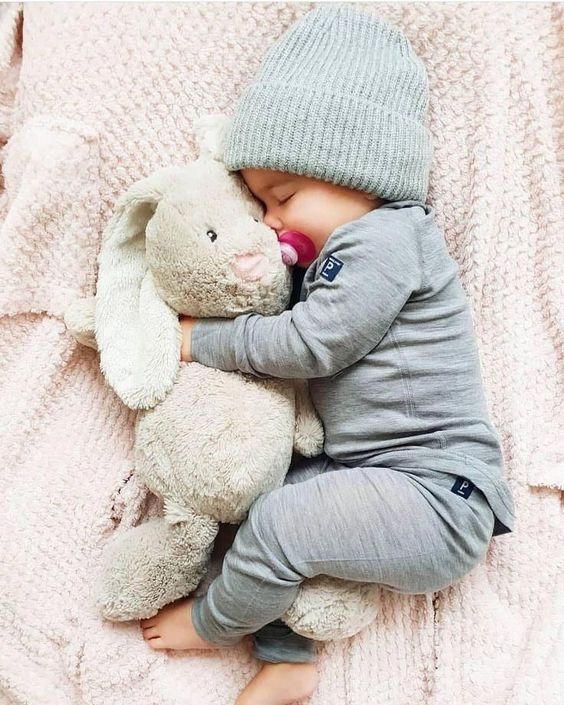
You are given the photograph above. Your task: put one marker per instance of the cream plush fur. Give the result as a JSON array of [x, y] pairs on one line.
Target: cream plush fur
[[207, 442]]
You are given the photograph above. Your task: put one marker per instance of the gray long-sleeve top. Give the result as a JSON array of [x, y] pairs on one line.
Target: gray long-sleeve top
[[383, 332]]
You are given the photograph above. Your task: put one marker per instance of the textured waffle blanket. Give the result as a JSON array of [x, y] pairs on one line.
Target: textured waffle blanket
[[93, 96]]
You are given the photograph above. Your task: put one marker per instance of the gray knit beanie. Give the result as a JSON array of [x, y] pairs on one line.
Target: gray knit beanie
[[341, 97]]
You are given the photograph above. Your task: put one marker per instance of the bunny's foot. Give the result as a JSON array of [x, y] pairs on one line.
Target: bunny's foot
[[171, 628]]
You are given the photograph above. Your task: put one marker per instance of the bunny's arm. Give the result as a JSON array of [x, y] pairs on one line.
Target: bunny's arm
[[308, 431], [79, 320]]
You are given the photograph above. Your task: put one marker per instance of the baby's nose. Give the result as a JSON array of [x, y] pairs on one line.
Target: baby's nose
[[249, 267]]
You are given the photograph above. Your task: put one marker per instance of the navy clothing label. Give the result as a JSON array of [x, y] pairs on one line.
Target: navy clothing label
[[331, 268], [462, 487]]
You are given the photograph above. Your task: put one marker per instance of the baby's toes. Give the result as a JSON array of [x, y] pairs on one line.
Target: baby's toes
[[150, 632], [150, 622], [153, 637]]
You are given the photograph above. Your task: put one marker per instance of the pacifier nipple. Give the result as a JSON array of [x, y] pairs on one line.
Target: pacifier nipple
[[289, 254], [296, 248]]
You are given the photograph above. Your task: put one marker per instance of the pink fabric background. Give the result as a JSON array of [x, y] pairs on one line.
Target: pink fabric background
[[96, 95]]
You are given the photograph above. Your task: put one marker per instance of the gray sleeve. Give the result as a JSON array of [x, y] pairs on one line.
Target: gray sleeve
[[365, 274]]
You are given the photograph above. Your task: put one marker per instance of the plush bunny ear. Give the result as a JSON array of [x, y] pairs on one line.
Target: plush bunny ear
[[210, 132], [138, 334]]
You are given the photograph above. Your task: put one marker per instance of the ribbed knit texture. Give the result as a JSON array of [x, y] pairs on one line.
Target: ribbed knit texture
[[340, 97], [106, 94]]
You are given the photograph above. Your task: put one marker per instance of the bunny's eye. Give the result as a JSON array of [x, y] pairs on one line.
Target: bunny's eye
[[256, 220], [212, 235]]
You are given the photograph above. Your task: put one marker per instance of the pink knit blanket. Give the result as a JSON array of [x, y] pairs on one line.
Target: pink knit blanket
[[93, 96]]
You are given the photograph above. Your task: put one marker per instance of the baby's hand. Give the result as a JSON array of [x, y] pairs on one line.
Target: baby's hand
[[186, 325]]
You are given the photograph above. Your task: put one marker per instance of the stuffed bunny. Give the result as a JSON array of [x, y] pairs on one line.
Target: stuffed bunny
[[189, 240]]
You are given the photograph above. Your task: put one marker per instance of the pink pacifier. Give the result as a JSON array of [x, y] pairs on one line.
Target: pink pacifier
[[296, 248]]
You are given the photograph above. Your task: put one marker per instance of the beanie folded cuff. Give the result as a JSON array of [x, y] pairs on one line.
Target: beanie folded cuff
[[314, 133]]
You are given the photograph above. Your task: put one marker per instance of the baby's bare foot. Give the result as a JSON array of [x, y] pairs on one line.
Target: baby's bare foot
[[280, 684], [171, 628]]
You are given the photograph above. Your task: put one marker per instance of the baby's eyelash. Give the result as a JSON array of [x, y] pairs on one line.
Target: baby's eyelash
[[264, 207]]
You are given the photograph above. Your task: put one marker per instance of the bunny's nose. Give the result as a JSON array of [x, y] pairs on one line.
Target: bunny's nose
[[249, 267]]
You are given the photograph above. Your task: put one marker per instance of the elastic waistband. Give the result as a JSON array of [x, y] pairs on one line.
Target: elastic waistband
[[421, 460]]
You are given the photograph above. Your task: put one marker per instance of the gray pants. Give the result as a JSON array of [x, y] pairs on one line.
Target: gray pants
[[410, 532]]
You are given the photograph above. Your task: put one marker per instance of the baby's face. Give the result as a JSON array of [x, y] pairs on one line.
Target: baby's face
[[314, 208]]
